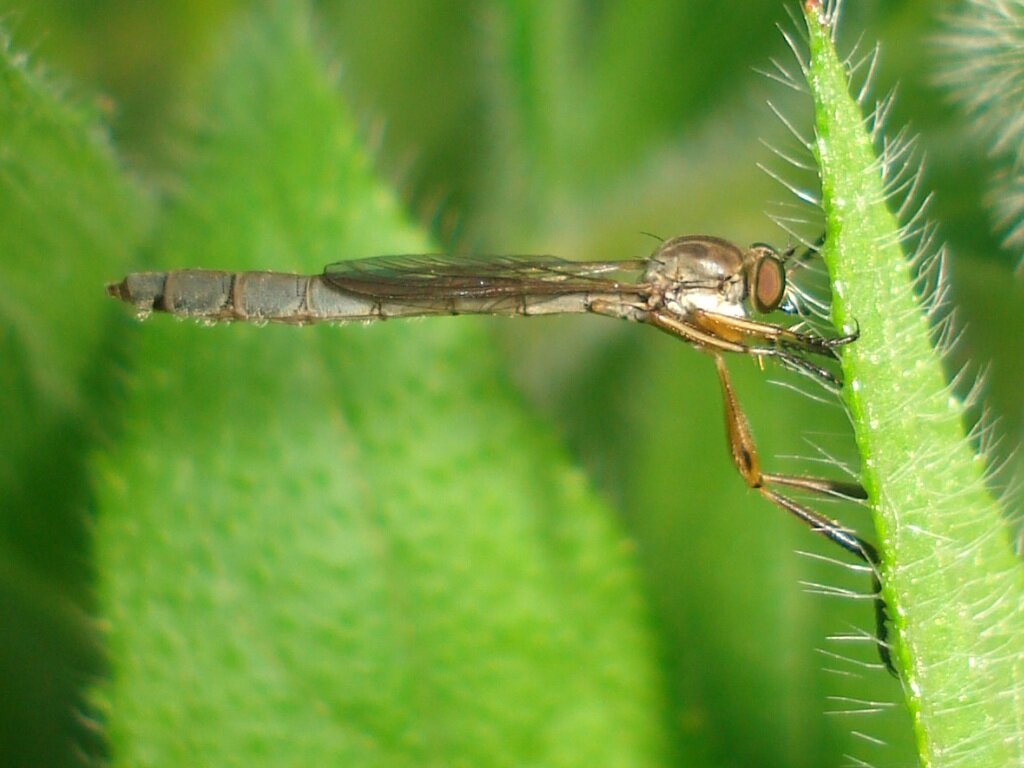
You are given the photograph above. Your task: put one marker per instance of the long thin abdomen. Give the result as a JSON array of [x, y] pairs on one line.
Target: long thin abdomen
[[216, 295], [289, 298]]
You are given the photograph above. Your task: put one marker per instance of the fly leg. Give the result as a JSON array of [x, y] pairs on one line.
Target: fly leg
[[741, 329], [744, 456], [710, 331], [812, 250]]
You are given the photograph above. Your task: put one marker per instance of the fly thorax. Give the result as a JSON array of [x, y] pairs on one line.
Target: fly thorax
[[699, 273]]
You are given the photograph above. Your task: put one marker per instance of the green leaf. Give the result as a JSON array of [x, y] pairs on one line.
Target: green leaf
[[952, 582], [345, 545], [67, 214]]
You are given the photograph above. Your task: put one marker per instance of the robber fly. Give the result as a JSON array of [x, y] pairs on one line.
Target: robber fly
[[701, 289]]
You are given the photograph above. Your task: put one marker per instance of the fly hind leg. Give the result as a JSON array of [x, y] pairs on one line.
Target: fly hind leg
[[744, 456]]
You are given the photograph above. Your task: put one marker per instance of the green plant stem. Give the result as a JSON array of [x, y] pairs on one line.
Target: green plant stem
[[951, 580]]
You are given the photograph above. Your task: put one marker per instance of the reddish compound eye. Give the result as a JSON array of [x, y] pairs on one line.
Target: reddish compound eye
[[767, 283]]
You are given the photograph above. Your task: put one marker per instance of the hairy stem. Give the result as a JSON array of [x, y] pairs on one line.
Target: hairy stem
[[951, 579]]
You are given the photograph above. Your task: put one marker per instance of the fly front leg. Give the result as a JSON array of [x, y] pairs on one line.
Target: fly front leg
[[743, 330], [744, 456], [812, 250], [706, 340], [712, 339]]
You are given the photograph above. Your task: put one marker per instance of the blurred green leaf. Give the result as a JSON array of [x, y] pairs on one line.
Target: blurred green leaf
[[66, 212], [984, 72], [345, 545]]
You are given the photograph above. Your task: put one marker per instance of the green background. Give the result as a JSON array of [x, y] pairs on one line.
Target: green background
[[569, 129]]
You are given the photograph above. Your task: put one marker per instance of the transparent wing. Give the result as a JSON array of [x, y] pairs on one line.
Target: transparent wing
[[424, 277]]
